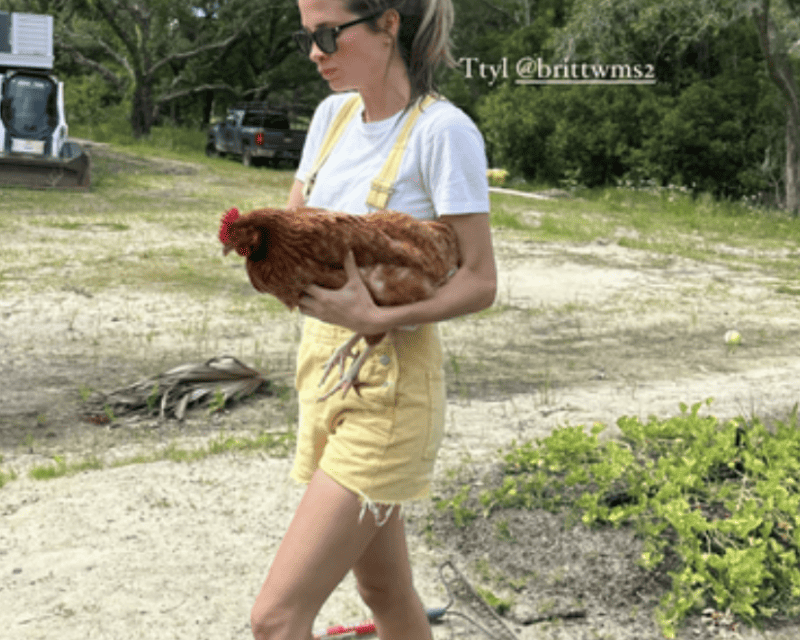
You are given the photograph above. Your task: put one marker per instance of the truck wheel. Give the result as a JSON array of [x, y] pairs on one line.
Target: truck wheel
[[211, 151]]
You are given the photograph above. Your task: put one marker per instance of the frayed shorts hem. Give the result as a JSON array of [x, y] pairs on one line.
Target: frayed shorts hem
[[374, 506]]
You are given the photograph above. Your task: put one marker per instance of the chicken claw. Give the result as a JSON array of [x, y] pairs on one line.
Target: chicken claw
[[347, 379], [340, 356]]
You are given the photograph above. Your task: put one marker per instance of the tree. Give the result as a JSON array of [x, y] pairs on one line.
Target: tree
[[490, 30], [160, 51], [776, 49], [603, 29]]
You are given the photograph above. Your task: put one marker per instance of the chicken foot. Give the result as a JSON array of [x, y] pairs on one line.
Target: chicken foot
[[347, 379]]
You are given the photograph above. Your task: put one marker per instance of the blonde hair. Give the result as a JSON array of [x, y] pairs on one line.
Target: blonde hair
[[423, 38]]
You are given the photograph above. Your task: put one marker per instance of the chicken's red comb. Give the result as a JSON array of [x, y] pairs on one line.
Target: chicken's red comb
[[224, 229]]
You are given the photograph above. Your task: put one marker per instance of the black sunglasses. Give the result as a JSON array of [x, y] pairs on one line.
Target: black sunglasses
[[325, 37]]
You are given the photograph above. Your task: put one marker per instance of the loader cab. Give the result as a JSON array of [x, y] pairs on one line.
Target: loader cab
[[31, 114]]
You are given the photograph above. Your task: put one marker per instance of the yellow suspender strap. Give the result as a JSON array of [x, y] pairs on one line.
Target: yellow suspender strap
[[383, 184], [332, 136]]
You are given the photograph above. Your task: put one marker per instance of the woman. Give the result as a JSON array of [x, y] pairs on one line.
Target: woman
[[363, 456]]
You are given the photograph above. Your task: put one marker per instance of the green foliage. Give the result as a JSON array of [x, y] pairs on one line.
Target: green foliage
[[7, 476], [516, 125], [275, 444], [217, 403], [90, 102], [502, 219], [593, 140], [715, 503], [713, 122], [712, 137], [600, 135], [501, 605], [488, 32], [61, 468], [168, 61], [114, 128], [111, 124], [458, 505]]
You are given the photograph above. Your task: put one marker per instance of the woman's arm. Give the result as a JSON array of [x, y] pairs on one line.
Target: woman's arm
[[295, 195], [472, 288]]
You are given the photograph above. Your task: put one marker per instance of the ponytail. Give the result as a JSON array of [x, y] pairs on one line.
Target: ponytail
[[424, 36]]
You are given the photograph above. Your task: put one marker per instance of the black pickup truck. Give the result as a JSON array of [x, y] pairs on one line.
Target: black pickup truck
[[256, 134]]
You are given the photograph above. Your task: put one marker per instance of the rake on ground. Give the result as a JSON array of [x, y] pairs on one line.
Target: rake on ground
[[481, 616]]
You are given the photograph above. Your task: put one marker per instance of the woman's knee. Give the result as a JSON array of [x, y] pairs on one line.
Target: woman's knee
[[377, 597], [274, 622], [262, 622], [382, 593], [383, 573]]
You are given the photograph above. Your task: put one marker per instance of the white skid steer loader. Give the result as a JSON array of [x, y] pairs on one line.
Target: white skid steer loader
[[34, 150]]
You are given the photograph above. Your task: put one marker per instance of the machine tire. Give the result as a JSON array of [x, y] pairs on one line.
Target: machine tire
[[211, 150]]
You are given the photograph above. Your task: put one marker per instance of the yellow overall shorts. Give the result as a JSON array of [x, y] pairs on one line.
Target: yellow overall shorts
[[380, 445]]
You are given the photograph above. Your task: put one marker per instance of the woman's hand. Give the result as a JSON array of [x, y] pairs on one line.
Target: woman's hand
[[351, 306], [472, 288]]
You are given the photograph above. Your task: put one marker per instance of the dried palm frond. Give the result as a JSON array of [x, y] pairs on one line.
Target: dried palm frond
[[215, 381]]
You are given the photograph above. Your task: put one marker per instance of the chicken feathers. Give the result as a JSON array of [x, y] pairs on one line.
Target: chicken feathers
[[400, 259]]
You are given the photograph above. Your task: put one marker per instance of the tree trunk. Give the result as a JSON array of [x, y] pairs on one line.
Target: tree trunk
[[142, 109], [781, 72], [792, 162], [208, 107]]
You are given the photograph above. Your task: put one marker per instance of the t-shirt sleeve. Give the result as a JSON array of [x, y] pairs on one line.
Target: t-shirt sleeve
[[455, 167]]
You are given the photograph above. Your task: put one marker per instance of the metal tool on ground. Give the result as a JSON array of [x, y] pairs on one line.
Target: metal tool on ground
[[481, 615], [469, 605]]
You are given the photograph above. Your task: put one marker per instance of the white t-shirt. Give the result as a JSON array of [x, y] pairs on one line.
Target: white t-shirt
[[443, 170]]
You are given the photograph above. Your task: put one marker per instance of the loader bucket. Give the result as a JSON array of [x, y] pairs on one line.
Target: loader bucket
[[71, 171]]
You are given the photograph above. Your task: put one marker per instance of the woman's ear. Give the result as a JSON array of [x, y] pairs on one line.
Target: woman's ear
[[389, 23]]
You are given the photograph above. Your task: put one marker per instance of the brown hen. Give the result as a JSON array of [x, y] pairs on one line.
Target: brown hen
[[400, 259]]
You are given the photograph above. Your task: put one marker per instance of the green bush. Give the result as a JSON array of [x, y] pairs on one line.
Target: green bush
[[713, 139], [713, 123], [112, 125], [517, 124], [91, 103], [716, 503], [597, 130]]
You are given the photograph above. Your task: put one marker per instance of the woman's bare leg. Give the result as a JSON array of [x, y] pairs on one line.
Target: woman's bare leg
[[323, 542], [385, 584]]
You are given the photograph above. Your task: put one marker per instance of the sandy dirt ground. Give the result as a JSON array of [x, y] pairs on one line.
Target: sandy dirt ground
[[580, 334]]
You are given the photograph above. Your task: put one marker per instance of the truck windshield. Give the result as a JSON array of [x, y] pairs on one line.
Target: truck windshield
[[266, 120], [29, 106]]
